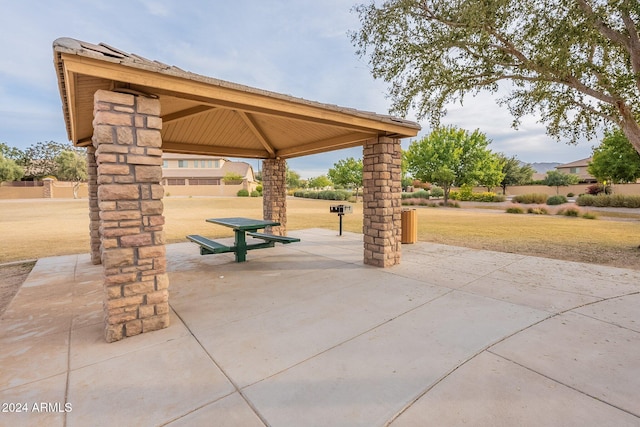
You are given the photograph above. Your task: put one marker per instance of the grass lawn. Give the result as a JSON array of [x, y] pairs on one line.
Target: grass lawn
[[39, 228]]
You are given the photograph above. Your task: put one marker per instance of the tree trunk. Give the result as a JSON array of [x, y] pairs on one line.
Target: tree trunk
[[630, 126]]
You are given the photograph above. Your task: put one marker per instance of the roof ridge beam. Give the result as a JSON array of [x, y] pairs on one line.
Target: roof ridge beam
[[187, 113], [255, 129]]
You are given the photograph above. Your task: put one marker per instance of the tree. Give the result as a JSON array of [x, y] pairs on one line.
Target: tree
[[576, 62], [71, 166], [232, 178], [40, 159], [515, 173], [293, 179], [9, 170], [12, 153], [447, 156], [558, 179], [489, 170], [348, 173], [615, 160], [319, 182]]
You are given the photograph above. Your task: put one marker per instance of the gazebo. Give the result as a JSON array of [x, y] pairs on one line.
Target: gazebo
[[127, 110]]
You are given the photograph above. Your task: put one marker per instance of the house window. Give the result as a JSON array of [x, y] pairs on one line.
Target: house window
[[210, 164], [204, 181], [574, 170], [165, 163], [175, 181], [195, 163], [216, 163], [182, 164]]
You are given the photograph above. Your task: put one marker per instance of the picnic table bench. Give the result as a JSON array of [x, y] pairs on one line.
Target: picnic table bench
[[241, 227]]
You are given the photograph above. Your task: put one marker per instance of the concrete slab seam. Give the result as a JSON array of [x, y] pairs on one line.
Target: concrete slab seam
[[564, 384], [455, 368], [227, 376], [349, 340]]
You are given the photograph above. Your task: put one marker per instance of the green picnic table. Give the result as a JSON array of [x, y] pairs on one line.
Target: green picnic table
[[242, 228]]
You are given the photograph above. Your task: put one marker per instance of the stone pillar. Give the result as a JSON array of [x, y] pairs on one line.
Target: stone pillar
[[382, 202], [274, 194], [94, 211], [129, 161], [47, 188]]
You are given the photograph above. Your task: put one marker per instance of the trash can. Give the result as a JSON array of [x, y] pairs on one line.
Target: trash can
[[409, 226]]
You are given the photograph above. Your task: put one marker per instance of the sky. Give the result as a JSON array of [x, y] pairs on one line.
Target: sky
[[300, 48]]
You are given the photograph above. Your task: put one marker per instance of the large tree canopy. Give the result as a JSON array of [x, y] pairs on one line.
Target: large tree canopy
[[347, 172], [575, 62], [450, 156]]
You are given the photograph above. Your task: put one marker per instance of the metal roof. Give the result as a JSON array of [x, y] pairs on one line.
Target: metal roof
[[204, 115]]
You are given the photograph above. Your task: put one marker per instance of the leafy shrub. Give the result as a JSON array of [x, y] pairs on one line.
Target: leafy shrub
[[556, 200], [515, 210], [612, 200], [255, 193], [589, 215], [570, 194], [243, 193], [420, 194], [259, 189], [537, 198], [324, 194], [596, 189], [437, 192], [538, 211], [476, 197]]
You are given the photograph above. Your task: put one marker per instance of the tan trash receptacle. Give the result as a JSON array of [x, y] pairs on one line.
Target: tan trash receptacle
[[409, 226]]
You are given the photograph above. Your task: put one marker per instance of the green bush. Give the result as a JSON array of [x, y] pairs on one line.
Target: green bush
[[420, 194], [259, 189], [324, 194], [557, 200], [537, 198], [255, 193], [570, 194], [243, 193], [515, 210], [437, 192], [609, 200], [589, 215]]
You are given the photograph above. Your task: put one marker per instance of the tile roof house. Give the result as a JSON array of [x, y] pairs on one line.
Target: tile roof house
[[196, 170], [579, 167]]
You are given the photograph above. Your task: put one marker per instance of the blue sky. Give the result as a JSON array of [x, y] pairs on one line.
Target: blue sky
[[297, 47]]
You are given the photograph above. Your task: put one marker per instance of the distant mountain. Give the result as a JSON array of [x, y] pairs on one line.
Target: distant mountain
[[543, 167]]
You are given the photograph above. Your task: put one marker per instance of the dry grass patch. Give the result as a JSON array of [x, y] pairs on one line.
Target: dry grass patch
[[39, 228]]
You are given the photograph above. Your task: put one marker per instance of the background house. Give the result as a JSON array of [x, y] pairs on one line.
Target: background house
[[194, 175], [579, 167]]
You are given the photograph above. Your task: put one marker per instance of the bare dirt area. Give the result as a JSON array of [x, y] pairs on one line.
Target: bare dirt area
[[12, 276]]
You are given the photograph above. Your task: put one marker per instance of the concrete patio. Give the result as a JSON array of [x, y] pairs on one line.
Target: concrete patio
[[306, 335]]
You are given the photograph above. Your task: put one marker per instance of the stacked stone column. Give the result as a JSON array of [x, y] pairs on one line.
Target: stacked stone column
[[274, 194], [94, 210], [127, 145], [382, 202]]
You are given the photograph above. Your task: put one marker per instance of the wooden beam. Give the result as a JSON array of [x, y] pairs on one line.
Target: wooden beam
[[330, 144], [213, 150], [183, 114], [251, 123]]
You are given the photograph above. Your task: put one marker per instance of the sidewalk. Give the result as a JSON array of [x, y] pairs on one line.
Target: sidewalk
[[306, 335]]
